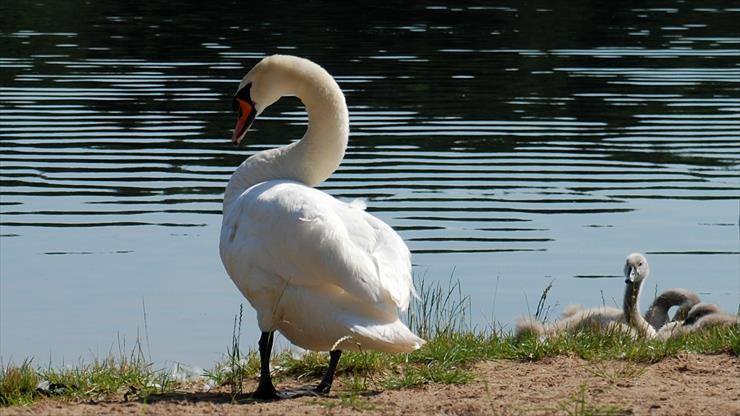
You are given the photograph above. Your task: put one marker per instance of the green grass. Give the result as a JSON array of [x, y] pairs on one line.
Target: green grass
[[18, 384], [448, 356], [128, 376], [452, 348], [108, 377], [445, 359], [439, 309]]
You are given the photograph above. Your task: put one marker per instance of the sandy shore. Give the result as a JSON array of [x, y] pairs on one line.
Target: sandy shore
[[686, 385]]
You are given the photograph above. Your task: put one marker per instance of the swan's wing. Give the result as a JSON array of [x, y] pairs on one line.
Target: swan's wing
[[306, 237], [377, 241]]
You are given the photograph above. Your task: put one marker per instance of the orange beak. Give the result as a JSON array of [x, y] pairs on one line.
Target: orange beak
[[246, 117]]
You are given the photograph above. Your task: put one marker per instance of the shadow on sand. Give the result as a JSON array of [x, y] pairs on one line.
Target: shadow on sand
[[245, 398]]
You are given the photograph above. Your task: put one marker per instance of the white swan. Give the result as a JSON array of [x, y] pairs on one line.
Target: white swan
[[326, 274], [628, 319]]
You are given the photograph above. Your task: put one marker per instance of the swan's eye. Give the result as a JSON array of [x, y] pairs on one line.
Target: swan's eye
[[639, 265], [244, 95]]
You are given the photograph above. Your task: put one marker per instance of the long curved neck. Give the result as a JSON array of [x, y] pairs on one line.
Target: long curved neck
[[317, 155], [657, 314], [631, 309]]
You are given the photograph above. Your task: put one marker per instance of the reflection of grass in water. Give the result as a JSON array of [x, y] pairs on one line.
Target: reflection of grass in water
[[452, 347], [669, 158]]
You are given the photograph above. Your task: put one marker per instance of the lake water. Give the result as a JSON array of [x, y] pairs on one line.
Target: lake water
[[510, 146]]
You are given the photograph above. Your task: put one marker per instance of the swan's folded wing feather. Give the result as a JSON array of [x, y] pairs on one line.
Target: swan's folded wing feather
[[308, 238], [388, 251]]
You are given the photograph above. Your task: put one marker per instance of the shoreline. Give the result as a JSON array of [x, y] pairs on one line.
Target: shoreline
[[685, 384], [569, 370]]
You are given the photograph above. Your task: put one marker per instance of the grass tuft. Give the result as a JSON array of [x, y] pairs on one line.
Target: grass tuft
[[18, 384], [439, 310], [580, 406], [237, 365], [129, 375]]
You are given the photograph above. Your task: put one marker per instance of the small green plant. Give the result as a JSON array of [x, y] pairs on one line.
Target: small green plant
[[237, 366], [236, 374], [543, 310], [616, 373], [579, 403], [353, 400], [580, 406]]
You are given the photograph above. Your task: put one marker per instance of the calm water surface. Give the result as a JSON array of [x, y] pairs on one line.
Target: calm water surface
[[511, 146]]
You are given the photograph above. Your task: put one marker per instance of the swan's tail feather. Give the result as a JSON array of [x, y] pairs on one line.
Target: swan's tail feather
[[394, 337], [529, 326]]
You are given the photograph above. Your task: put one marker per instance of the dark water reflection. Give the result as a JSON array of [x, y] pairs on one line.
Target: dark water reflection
[[514, 144]]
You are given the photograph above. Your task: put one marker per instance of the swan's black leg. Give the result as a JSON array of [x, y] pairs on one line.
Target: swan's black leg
[[265, 389], [325, 385]]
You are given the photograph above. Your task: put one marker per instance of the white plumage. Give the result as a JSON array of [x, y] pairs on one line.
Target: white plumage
[[325, 273], [318, 269]]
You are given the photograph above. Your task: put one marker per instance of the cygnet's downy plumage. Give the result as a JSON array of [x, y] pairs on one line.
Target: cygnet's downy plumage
[[628, 319], [701, 317]]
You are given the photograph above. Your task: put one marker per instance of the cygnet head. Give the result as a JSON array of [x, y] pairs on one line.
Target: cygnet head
[[699, 311], [636, 268]]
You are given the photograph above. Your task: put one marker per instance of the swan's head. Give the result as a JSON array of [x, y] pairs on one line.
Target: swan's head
[[243, 105], [272, 78], [636, 268], [699, 311]]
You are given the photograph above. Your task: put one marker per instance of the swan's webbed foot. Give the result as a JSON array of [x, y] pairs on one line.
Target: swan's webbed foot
[[265, 391], [325, 384], [322, 389]]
